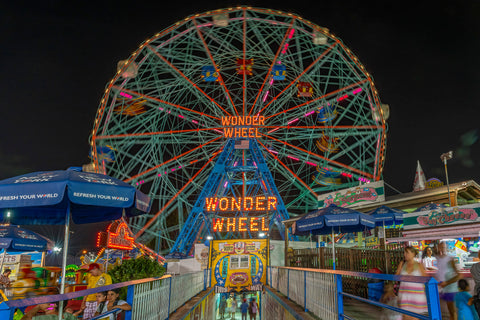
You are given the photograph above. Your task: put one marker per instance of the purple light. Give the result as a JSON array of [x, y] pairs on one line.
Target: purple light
[[225, 184], [285, 48], [293, 158], [309, 113], [357, 91], [181, 116], [292, 121], [273, 151], [160, 108], [126, 95], [271, 82], [311, 163], [173, 169], [159, 174], [195, 121], [345, 96]]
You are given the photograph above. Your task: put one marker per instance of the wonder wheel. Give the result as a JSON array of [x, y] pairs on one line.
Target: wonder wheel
[[303, 97]]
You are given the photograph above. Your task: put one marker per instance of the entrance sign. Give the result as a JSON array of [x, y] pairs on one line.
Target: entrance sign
[[118, 236], [354, 197], [242, 224], [238, 264], [467, 214], [242, 127], [260, 203]]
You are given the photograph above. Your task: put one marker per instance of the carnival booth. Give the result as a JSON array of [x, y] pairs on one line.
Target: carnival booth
[[458, 226]]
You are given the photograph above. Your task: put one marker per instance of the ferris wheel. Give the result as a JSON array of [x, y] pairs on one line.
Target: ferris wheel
[[302, 96]]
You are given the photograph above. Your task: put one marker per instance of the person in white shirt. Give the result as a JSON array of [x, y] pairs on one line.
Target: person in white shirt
[[428, 260]]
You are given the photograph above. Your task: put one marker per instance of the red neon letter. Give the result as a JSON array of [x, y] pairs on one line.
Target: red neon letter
[[259, 204], [242, 224], [245, 207], [264, 228], [272, 202], [217, 224], [253, 224], [237, 205], [223, 205], [211, 203], [231, 223]]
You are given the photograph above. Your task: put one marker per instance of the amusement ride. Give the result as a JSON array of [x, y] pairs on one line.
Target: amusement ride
[[241, 113]]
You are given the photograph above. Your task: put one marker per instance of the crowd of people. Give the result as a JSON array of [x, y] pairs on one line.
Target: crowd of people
[[230, 306], [453, 290]]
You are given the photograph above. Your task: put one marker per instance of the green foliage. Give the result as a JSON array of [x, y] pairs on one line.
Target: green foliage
[[135, 269]]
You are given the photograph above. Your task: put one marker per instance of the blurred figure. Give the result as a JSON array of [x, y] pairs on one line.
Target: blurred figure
[[50, 313], [253, 309], [411, 295], [244, 309], [464, 302], [447, 276], [231, 305], [221, 306], [428, 260], [389, 297], [475, 272]]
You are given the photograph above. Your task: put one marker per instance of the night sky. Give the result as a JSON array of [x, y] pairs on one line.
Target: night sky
[[56, 58]]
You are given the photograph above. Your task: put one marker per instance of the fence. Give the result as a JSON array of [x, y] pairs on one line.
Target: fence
[[153, 298], [321, 291]]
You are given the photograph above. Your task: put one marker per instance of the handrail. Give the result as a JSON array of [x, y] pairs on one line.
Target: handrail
[[380, 276], [431, 289], [71, 295]]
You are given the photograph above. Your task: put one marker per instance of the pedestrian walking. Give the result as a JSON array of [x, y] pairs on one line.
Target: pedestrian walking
[[231, 306], [253, 309], [244, 309], [221, 306], [447, 277], [464, 302], [411, 295]]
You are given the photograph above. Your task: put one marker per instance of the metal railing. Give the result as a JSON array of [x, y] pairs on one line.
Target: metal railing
[[320, 291], [153, 298]]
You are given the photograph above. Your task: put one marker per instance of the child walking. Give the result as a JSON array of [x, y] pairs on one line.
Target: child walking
[[464, 302], [389, 297]]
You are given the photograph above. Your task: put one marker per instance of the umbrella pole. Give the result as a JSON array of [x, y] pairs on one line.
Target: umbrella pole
[[64, 260], [333, 249], [385, 246]]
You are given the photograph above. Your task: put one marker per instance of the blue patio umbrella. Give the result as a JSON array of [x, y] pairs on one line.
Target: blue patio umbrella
[[333, 219], [386, 216], [14, 238], [52, 197]]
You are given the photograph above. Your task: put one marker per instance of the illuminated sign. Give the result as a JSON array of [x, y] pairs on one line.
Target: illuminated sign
[[240, 224], [241, 204], [118, 236], [241, 127], [447, 216]]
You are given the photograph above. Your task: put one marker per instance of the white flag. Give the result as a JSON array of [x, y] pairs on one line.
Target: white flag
[[420, 181]]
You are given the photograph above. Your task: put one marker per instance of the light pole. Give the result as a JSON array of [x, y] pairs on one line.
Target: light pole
[[445, 157]]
